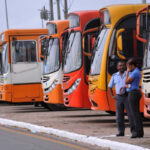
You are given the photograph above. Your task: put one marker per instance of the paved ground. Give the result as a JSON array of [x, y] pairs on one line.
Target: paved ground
[[22, 140], [92, 123]]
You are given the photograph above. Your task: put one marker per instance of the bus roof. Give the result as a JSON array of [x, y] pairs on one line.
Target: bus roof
[[26, 31], [4, 35], [124, 10], [61, 25]]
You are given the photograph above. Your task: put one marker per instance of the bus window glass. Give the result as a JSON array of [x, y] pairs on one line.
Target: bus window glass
[[73, 59], [105, 17], [98, 52], [24, 51], [3, 59], [74, 21], [2, 37], [51, 28], [51, 60]]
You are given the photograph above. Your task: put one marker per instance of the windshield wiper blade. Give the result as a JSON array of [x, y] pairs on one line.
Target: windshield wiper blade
[[49, 48], [69, 48]]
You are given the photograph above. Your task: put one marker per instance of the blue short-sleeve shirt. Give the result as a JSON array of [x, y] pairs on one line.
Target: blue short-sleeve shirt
[[118, 81], [136, 76]]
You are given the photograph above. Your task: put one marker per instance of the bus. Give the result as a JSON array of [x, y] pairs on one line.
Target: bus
[[52, 64], [20, 65], [116, 41], [143, 29], [76, 62]]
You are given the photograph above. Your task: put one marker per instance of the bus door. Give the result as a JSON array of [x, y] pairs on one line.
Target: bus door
[[88, 45], [90, 34], [123, 46], [25, 68]]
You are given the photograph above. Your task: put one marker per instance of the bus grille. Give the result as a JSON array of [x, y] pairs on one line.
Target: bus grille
[[146, 77], [66, 78], [45, 79]]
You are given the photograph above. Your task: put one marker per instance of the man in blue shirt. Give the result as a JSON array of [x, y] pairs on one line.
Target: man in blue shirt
[[132, 80], [118, 79]]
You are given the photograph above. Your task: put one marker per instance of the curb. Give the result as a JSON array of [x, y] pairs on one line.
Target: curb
[[73, 136]]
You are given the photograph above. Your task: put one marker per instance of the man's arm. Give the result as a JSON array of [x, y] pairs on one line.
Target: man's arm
[[110, 86], [111, 93], [128, 79]]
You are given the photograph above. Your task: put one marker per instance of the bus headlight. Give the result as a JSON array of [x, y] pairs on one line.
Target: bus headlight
[[52, 86], [74, 86]]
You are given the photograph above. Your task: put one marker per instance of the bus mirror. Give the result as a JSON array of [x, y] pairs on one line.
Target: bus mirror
[[120, 43], [44, 47]]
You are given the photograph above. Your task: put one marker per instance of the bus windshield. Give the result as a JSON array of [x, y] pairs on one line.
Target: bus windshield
[[51, 60], [73, 59], [52, 29], [98, 52], [3, 59]]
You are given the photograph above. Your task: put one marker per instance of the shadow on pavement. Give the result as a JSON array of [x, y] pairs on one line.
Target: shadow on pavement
[[85, 116]]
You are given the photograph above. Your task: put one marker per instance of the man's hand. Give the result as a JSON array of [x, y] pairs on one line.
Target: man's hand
[[111, 93], [113, 97]]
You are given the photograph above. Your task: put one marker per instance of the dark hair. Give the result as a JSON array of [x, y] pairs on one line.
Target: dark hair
[[137, 62], [120, 61], [132, 61]]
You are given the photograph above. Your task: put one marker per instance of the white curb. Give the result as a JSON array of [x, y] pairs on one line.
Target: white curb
[[73, 136]]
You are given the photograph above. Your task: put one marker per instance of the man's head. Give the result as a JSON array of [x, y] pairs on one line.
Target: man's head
[[121, 66], [132, 64]]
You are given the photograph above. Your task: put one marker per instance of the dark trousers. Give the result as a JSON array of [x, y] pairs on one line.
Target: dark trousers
[[136, 120], [121, 104]]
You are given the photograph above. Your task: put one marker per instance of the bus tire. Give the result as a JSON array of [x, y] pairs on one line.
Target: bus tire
[[111, 112], [44, 105]]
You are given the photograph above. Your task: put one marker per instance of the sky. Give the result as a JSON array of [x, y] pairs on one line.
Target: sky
[[26, 13]]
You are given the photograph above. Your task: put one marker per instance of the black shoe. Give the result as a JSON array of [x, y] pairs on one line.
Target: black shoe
[[134, 136], [140, 135], [120, 134]]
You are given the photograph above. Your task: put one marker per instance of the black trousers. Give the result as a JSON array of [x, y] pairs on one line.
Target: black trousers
[[136, 120], [121, 104]]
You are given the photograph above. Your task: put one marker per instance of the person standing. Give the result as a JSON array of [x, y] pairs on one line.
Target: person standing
[[118, 79], [132, 81]]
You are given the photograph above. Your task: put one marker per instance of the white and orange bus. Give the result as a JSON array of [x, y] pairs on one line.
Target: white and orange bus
[[51, 51], [20, 65]]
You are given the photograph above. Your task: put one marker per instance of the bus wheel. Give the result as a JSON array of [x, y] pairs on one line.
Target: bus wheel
[[44, 105], [56, 107], [111, 112]]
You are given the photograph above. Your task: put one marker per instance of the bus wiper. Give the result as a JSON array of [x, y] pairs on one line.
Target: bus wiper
[[49, 47], [69, 48]]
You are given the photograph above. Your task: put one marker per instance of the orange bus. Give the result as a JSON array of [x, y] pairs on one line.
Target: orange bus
[[143, 28], [52, 64], [20, 65], [76, 64], [116, 41]]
